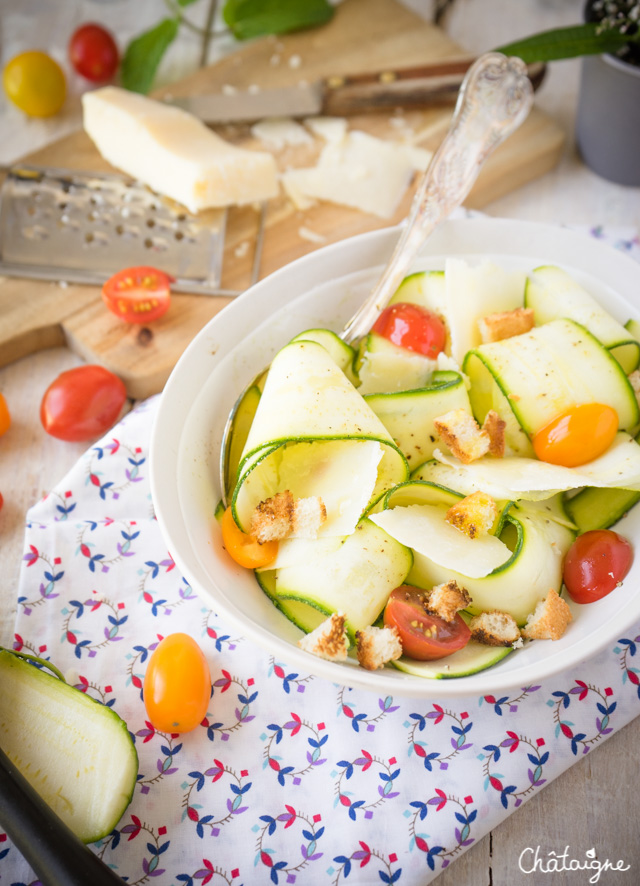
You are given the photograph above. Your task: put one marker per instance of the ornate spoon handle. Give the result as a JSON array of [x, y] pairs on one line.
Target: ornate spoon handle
[[495, 98]]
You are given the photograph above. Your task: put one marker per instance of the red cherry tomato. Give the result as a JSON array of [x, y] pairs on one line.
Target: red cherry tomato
[[412, 327], [82, 403], [177, 684], [93, 53], [577, 436], [138, 295], [424, 637], [595, 564]]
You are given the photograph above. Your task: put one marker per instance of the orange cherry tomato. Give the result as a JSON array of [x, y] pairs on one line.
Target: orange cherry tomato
[[245, 549], [5, 416], [577, 436], [138, 295], [177, 684]]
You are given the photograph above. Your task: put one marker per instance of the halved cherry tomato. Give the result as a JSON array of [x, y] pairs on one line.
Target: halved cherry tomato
[[82, 403], [177, 684], [424, 637], [577, 436], [5, 416], [412, 327], [138, 295], [35, 83], [595, 564], [93, 53], [245, 549]]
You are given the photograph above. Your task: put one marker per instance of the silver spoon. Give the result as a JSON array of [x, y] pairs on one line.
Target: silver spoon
[[495, 97]]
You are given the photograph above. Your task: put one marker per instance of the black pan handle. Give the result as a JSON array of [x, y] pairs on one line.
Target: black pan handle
[[57, 856]]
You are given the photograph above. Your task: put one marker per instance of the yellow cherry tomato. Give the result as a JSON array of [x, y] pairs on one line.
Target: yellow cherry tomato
[[5, 416], [577, 436], [35, 83], [177, 684], [244, 548]]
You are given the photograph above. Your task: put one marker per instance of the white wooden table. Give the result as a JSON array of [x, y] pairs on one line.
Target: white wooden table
[[595, 804]]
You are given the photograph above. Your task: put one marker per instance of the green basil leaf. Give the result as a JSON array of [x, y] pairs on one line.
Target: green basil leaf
[[568, 42], [185, 2], [256, 18], [144, 53]]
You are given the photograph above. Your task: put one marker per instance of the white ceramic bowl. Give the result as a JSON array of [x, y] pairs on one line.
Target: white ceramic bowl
[[323, 289]]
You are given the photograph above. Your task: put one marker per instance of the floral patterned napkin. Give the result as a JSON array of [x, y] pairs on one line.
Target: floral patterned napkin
[[290, 778]]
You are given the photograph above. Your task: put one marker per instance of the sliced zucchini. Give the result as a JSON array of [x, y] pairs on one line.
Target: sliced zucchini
[[314, 435], [357, 579], [241, 419], [530, 479], [409, 415], [473, 658], [75, 752], [599, 508], [544, 372], [472, 292], [302, 615], [343, 354], [537, 545], [384, 367], [424, 288], [551, 292]]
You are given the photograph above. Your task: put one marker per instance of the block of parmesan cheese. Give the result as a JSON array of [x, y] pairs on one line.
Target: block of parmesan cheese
[[174, 153]]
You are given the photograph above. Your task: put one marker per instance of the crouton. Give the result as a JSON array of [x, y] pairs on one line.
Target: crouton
[[505, 324], [446, 600], [376, 646], [281, 516], [473, 515], [461, 433], [634, 381], [549, 620], [308, 516], [494, 426], [494, 629], [328, 640], [273, 517]]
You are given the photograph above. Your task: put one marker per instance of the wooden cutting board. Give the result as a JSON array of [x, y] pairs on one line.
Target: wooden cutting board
[[364, 35]]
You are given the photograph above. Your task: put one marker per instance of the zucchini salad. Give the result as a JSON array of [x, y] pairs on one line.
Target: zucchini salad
[[430, 498]]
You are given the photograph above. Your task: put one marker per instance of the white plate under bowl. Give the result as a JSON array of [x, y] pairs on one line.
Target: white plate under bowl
[[323, 289]]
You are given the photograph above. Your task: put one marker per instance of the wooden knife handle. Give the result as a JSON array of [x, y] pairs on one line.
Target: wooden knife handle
[[415, 87]]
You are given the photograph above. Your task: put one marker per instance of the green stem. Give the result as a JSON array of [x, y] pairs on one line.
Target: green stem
[[206, 43], [207, 32]]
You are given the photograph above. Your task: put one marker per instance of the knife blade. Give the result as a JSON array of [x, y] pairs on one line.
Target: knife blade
[[339, 95]]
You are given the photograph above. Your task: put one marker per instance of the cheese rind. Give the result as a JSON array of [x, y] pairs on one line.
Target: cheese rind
[[174, 153]]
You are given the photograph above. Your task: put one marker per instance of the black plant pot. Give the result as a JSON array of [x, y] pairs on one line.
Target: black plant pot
[[608, 120]]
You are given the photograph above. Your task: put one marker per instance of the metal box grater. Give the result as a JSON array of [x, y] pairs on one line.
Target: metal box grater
[[82, 227]]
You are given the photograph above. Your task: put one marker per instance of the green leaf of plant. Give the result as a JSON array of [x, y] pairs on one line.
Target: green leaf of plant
[[256, 18], [186, 2], [568, 42], [144, 53]]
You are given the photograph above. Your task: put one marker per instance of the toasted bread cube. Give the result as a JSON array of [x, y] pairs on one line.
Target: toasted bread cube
[[329, 640], [461, 433], [280, 516], [273, 517], [505, 324], [549, 620], [447, 599], [475, 514], [308, 516], [376, 646], [495, 629], [494, 426]]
